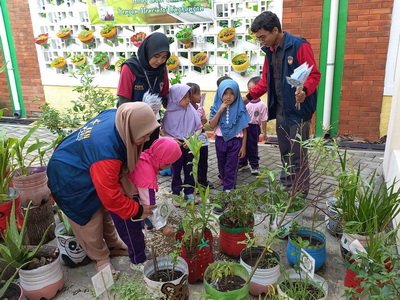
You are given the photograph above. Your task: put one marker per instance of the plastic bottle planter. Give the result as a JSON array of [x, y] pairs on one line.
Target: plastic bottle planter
[[240, 62], [237, 294], [110, 34], [291, 276], [32, 187], [42, 39], [42, 282], [287, 223], [59, 63], [138, 38], [87, 37], [333, 218], [347, 239], [79, 60], [71, 251], [200, 59], [227, 35], [65, 35], [229, 238], [5, 209], [173, 63], [101, 60], [317, 247], [265, 275], [119, 62], [185, 36], [197, 266], [177, 287]]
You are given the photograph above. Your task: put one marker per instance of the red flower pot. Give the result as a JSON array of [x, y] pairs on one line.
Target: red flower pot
[[5, 212], [228, 239], [197, 266]]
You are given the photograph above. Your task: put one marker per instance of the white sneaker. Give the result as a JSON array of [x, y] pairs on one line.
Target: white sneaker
[[241, 167], [254, 171], [137, 267]]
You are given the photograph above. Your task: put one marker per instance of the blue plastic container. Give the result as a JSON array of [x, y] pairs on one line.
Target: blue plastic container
[[317, 252]]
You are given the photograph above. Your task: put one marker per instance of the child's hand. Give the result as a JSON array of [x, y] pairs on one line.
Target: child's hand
[[224, 106], [167, 231], [242, 152], [203, 121], [265, 137]]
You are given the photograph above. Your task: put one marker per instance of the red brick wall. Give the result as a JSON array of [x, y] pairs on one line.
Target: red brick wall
[[31, 84], [367, 37]]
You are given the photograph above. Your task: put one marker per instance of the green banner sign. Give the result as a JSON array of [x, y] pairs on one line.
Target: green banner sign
[[149, 11]]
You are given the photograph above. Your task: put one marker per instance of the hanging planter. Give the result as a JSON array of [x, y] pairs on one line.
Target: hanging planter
[[138, 38], [59, 63], [200, 59], [119, 62], [185, 36], [65, 35], [87, 37], [42, 39], [173, 63], [227, 35], [102, 60], [109, 32], [240, 62], [79, 59]]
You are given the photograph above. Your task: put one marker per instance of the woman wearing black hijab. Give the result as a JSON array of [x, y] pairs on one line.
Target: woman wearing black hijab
[[146, 72]]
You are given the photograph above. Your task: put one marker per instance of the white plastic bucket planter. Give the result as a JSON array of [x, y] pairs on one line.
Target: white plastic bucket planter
[[287, 223], [293, 276], [178, 287], [262, 278], [42, 282]]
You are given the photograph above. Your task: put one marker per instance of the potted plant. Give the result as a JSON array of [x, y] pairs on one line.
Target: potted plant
[[173, 63], [109, 32], [119, 62], [310, 240], [238, 219], [185, 36], [87, 37], [195, 236], [226, 280], [65, 35], [59, 63], [39, 278], [42, 40], [298, 285], [102, 60], [199, 59], [78, 59], [138, 38], [72, 253], [267, 271], [363, 203], [240, 62], [374, 270], [226, 35], [167, 275]]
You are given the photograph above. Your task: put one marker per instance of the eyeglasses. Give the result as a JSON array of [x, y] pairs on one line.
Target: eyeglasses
[[263, 37]]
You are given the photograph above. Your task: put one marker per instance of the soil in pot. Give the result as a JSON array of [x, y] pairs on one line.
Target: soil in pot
[[269, 261], [314, 240], [229, 223], [13, 292], [229, 283], [165, 275]]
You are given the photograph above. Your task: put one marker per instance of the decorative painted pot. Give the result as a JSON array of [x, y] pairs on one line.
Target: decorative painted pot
[[101, 60], [185, 36], [42, 39], [173, 63], [64, 33], [229, 238], [200, 59], [32, 187], [317, 252], [119, 62], [79, 60], [87, 37], [240, 62], [111, 34], [197, 266], [72, 253], [227, 35], [178, 287], [43, 282], [263, 278], [138, 38], [292, 276], [239, 294]]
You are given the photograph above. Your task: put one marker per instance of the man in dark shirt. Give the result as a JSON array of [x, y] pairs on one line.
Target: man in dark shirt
[[284, 53]]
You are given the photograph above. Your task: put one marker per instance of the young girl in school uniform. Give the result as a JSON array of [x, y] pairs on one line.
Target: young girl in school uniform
[[229, 119], [180, 121]]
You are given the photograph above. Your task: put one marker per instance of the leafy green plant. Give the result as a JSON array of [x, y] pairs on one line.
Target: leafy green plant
[[219, 271], [12, 250], [177, 77]]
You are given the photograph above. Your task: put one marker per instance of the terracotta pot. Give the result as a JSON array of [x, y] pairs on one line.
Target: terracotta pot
[[32, 187], [197, 266], [43, 282]]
